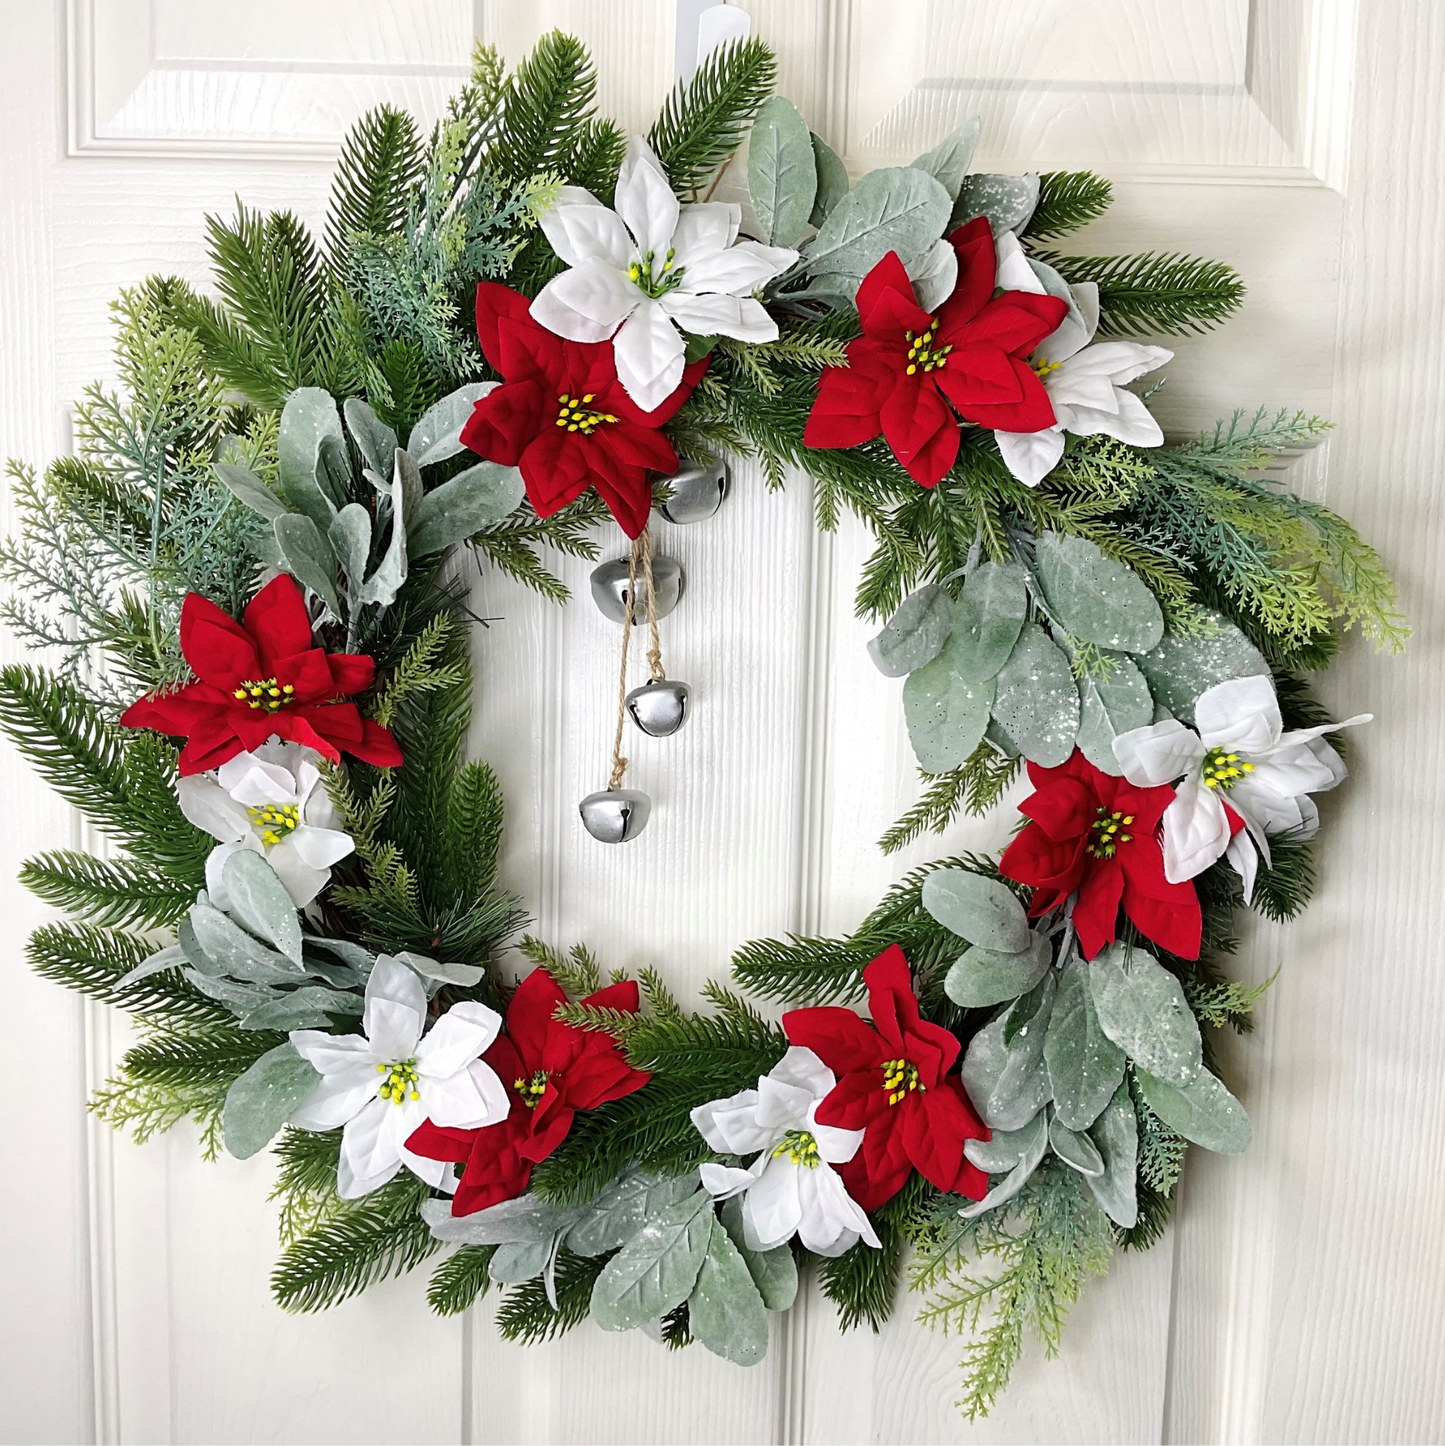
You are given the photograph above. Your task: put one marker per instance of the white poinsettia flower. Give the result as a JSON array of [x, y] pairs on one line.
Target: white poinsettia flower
[[1241, 759], [1085, 379], [272, 801], [381, 1084], [791, 1188], [652, 266]]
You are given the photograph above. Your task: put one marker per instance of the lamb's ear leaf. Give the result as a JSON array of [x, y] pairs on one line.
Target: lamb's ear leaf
[[657, 1269], [307, 420], [374, 439], [949, 160], [461, 508], [832, 180], [260, 1101], [437, 435], [260, 901], [308, 556], [725, 1310], [247, 487], [782, 174]]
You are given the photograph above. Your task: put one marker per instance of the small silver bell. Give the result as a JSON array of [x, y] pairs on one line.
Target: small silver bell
[[609, 589], [615, 815], [659, 708], [698, 490]]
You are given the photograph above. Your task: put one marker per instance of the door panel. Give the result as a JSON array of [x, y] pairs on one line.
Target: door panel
[[1284, 136]]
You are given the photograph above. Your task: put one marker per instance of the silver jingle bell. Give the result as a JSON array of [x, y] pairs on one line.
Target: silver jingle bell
[[659, 708], [609, 589], [616, 815], [698, 490]]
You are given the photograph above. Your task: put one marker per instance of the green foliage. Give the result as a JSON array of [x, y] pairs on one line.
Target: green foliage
[[704, 119], [1046, 1242], [974, 787], [420, 670], [1226, 1004], [691, 1060], [306, 1180], [862, 1282], [528, 1317], [379, 165], [1067, 200], [361, 1241], [169, 1077], [1283, 888], [119, 894], [1155, 292], [1161, 1151], [460, 1280], [576, 972]]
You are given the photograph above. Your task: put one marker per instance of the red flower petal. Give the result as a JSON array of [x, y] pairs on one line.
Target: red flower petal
[[854, 1101], [309, 673], [1031, 413], [505, 421], [837, 1036], [973, 244], [892, 312], [921, 430], [888, 277], [1176, 926], [934, 1127], [1096, 911], [493, 303], [977, 376], [529, 1018], [276, 619], [1015, 322], [554, 471], [351, 672], [881, 1167], [219, 650], [1061, 805]]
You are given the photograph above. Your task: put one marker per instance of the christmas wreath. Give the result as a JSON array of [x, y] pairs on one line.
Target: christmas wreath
[[256, 685]]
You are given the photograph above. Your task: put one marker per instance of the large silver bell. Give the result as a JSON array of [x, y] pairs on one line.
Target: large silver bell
[[609, 589], [659, 708], [698, 489], [615, 815]]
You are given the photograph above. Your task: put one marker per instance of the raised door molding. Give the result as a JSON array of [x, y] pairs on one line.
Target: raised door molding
[[267, 78]]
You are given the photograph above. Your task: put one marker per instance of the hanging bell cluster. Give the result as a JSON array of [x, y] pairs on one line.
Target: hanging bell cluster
[[636, 591]]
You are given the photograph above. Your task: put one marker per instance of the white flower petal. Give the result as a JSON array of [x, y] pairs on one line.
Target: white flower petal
[[724, 1181], [649, 354], [645, 201], [455, 1102], [371, 1142], [253, 781], [703, 230], [1071, 390], [439, 1174], [207, 805], [832, 1221], [1013, 272], [395, 1009], [586, 303], [739, 270], [1031, 456], [216, 865], [835, 1145], [1263, 809], [771, 1208], [333, 1053], [1289, 772], [302, 881], [1118, 362], [730, 1126], [1309, 817], [1158, 754], [1132, 423], [461, 1035], [783, 1106], [1329, 759], [1311, 736], [496, 1102], [351, 1187], [317, 848], [1196, 831], [1244, 860], [801, 1067], [1241, 715], [580, 228], [340, 1096], [720, 315]]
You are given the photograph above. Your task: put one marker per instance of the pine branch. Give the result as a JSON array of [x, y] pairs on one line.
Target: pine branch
[[460, 1280], [974, 787], [120, 894], [374, 1238], [527, 1316], [703, 119], [1067, 201], [380, 161], [1155, 292], [547, 107]]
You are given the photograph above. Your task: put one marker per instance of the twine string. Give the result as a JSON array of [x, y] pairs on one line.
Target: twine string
[[654, 652], [619, 763]]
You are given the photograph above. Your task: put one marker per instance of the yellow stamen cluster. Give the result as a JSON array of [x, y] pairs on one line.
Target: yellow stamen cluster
[[1224, 770], [1104, 835], [1041, 369], [648, 279], [264, 694], [275, 820], [531, 1090], [923, 353], [900, 1078], [800, 1148], [400, 1082], [577, 417]]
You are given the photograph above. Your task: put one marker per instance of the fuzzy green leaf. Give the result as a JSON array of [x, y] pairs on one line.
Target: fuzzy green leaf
[[264, 1098], [657, 1269], [725, 1311], [782, 175]]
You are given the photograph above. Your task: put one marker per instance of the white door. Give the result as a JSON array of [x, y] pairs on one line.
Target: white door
[[1297, 1298]]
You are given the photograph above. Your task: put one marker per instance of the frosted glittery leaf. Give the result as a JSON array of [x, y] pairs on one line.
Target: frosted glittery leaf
[[1007, 201], [1116, 1133], [1075, 1150], [260, 1101], [1142, 1008], [1007, 1082], [1035, 1141], [949, 160], [946, 714], [725, 1311], [1085, 1065], [1037, 704], [774, 1272], [986, 976], [1110, 706], [657, 1269], [1097, 599], [1006, 1148], [915, 634], [1180, 669], [988, 618], [981, 910], [896, 208], [623, 1208], [1204, 1112]]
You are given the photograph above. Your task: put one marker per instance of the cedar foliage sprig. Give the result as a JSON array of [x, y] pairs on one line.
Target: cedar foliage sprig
[[1156, 292]]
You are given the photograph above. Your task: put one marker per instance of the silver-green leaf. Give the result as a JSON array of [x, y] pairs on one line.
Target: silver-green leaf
[[1203, 1111], [896, 208], [385, 582], [1110, 706], [624, 1208], [725, 1311], [1007, 201], [946, 714], [949, 160], [307, 419], [260, 1101], [308, 556], [1037, 704], [350, 539], [980, 976], [657, 1269], [1097, 599], [1005, 1148], [247, 487], [988, 618], [1116, 1133], [1036, 1142], [1008, 1082], [1085, 1065], [1142, 1008], [915, 634], [782, 174], [1180, 669], [464, 506], [774, 1272], [982, 910], [260, 901], [832, 180], [374, 439], [1077, 1151], [437, 435]]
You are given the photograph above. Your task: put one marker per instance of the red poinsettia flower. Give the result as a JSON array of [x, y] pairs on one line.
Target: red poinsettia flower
[[894, 1085], [553, 1070], [1100, 835], [563, 418], [910, 372], [260, 677]]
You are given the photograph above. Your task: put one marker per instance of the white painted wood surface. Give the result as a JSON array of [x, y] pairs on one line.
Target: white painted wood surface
[[1297, 1298]]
